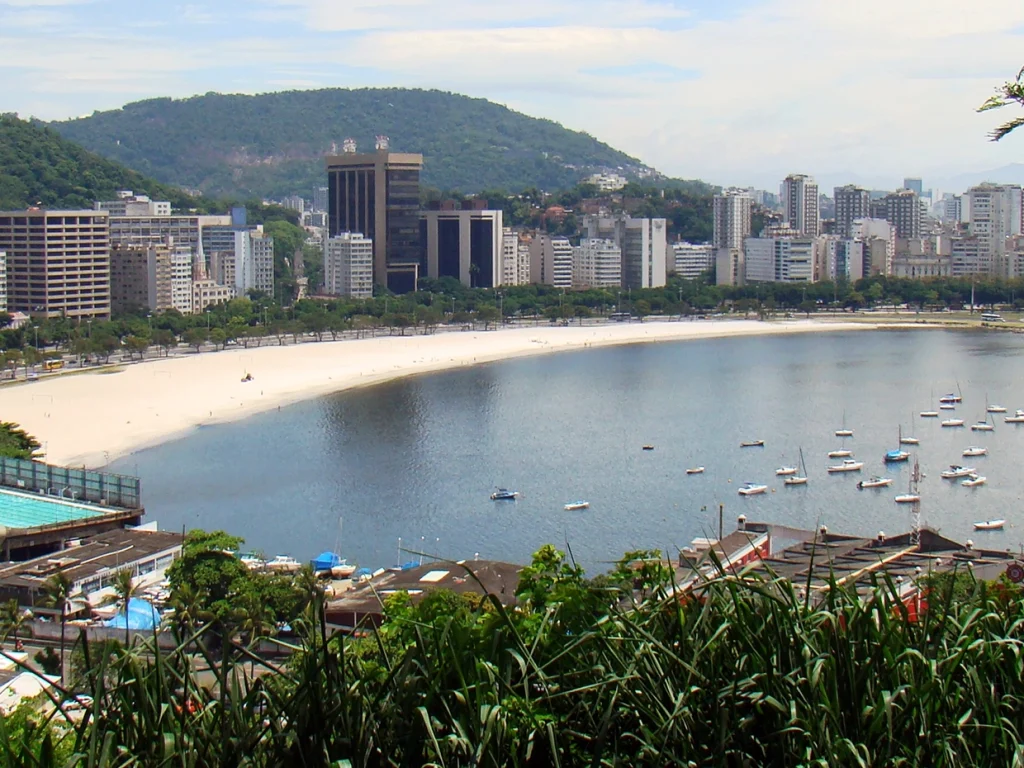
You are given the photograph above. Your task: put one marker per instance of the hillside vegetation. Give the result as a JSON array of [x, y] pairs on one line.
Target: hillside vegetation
[[271, 145], [40, 167]]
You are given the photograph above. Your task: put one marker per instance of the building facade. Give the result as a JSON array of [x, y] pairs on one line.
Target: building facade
[[58, 262], [551, 261], [348, 265], [140, 278], [780, 260], [128, 204], [691, 260], [463, 243], [730, 266], [903, 212], [995, 218], [800, 204], [731, 211], [852, 203], [643, 244], [208, 293], [378, 195], [254, 262], [597, 263], [3, 281], [970, 255], [515, 259]]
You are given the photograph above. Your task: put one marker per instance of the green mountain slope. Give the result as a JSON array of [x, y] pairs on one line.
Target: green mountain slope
[[273, 144], [39, 166]]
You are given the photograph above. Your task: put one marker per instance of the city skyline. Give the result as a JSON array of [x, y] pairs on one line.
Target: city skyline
[[603, 70]]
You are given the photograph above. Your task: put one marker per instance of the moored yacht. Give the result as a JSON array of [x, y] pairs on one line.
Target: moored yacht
[[953, 423], [752, 489], [929, 414], [1017, 418], [840, 453], [875, 482], [955, 471], [574, 505], [982, 426], [951, 398], [504, 494], [695, 471], [785, 471], [895, 456], [849, 465], [975, 451], [800, 479], [973, 480]]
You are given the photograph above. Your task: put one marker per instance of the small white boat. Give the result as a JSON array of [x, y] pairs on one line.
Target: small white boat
[[953, 423], [875, 482], [841, 453], [695, 471], [253, 562], [909, 441], [929, 414], [973, 481], [996, 409], [975, 451], [844, 432], [574, 505], [752, 444], [850, 465], [951, 398], [800, 479], [752, 489], [955, 471], [947, 407], [284, 563], [989, 525], [982, 426], [908, 498], [342, 570], [785, 471], [1017, 418], [504, 494]]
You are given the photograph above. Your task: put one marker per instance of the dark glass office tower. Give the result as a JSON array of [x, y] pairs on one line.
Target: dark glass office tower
[[378, 195]]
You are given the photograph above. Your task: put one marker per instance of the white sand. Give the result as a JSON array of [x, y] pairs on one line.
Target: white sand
[[92, 418]]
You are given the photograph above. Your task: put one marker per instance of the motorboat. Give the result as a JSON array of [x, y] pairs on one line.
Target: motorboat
[[929, 414], [909, 441], [849, 465], [982, 426], [1017, 418], [955, 471], [800, 479], [896, 456], [695, 471], [951, 398], [752, 444], [975, 451], [648, 448], [993, 408], [953, 423], [875, 482], [989, 525], [574, 505], [284, 564], [947, 407], [973, 481], [908, 498], [841, 453], [752, 489], [252, 561], [504, 494], [785, 471]]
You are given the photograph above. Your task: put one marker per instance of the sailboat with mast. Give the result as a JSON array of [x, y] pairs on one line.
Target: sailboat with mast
[[906, 439], [800, 479], [844, 432], [897, 455]]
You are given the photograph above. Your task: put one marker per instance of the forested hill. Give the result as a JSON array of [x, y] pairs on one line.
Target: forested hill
[[40, 167], [272, 145]]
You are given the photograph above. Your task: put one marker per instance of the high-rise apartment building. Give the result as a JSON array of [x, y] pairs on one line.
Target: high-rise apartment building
[[780, 259], [3, 281], [254, 262], [294, 203], [597, 263], [348, 265], [852, 203], [903, 211], [730, 268], [800, 204], [515, 259], [58, 262], [732, 216], [464, 243], [970, 256], [378, 194], [995, 216], [551, 261], [319, 199], [643, 243], [151, 277], [691, 260]]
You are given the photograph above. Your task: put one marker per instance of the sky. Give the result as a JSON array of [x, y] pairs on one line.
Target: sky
[[730, 91]]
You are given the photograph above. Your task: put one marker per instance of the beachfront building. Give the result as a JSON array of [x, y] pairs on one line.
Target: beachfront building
[[348, 265], [852, 203], [551, 260], [643, 244], [58, 262], [780, 259], [994, 218], [691, 260], [903, 211], [731, 210], [515, 259], [378, 194], [464, 243], [153, 278], [730, 266], [597, 263], [970, 255], [209, 293], [800, 204], [3, 281], [254, 262]]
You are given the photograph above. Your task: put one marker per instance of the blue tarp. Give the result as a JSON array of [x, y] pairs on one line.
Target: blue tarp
[[325, 561], [141, 615]]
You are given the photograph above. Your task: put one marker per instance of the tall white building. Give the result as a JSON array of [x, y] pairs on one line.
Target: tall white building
[[732, 212], [780, 259], [643, 243], [597, 263], [551, 261], [348, 265], [607, 182], [3, 281], [515, 259], [800, 204], [995, 216], [691, 260], [253, 262], [181, 278], [970, 256]]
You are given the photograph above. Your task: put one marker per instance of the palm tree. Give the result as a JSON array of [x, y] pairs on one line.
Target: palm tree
[[14, 619], [58, 595], [125, 589], [256, 620]]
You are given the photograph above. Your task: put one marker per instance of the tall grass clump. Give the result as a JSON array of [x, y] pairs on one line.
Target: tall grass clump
[[742, 671]]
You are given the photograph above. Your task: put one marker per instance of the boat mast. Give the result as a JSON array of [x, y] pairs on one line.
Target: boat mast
[[915, 507]]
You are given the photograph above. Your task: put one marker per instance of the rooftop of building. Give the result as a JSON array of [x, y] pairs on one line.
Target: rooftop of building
[[21, 510], [81, 561], [373, 158]]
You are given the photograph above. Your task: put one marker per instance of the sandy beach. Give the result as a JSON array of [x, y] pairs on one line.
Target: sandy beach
[[92, 418]]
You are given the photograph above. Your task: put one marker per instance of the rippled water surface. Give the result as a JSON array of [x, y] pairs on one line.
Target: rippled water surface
[[418, 458]]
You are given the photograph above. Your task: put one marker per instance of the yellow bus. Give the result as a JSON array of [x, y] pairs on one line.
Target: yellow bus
[[53, 365]]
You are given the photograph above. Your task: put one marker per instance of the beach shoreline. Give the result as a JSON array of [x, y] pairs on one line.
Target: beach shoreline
[[91, 419]]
